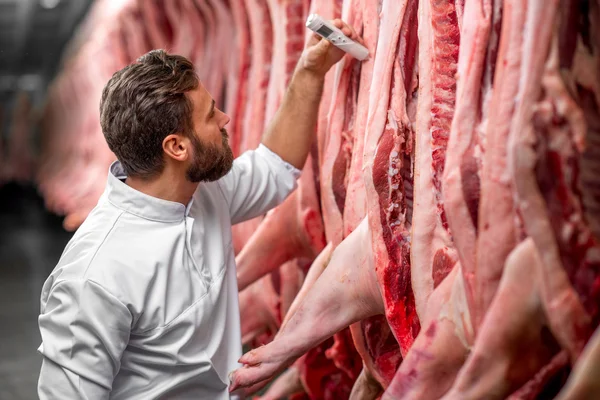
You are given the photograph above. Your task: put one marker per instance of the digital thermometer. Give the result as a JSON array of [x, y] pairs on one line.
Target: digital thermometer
[[327, 30]]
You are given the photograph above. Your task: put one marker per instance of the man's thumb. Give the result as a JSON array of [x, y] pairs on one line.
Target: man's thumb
[[316, 54], [323, 47]]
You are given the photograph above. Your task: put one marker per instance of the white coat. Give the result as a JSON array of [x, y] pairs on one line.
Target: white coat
[[143, 303]]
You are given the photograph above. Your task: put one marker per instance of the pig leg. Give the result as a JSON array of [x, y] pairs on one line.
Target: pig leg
[[435, 358], [366, 387], [287, 232], [583, 382], [292, 278], [288, 383], [270, 246], [255, 315], [345, 293], [297, 367], [315, 271], [567, 318], [513, 343]]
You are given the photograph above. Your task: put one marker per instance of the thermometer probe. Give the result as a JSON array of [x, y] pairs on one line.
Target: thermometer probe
[[328, 31]]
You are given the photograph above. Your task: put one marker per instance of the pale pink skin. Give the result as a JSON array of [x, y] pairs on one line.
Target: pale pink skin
[[223, 34], [337, 118], [346, 292], [428, 236], [498, 229], [437, 354], [260, 246], [534, 291], [258, 309], [512, 325], [440, 352], [157, 36], [292, 279], [355, 207], [583, 382], [370, 370], [288, 43], [315, 271], [446, 349], [194, 43], [261, 37], [464, 152], [351, 122], [242, 232], [183, 38], [294, 229], [388, 137], [72, 183], [568, 320], [237, 79], [287, 384], [366, 387], [262, 308], [262, 50], [328, 9], [511, 331]]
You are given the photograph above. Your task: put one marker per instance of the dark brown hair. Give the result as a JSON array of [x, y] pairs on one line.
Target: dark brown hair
[[142, 104]]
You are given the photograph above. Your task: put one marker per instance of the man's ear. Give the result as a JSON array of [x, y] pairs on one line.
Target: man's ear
[[177, 147]]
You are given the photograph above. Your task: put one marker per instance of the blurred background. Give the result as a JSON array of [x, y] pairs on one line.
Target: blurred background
[[33, 37]]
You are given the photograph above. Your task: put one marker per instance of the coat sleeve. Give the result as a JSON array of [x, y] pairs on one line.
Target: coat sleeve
[[258, 181], [84, 330]]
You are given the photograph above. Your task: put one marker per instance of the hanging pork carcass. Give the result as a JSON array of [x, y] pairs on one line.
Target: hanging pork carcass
[[479, 202], [445, 226]]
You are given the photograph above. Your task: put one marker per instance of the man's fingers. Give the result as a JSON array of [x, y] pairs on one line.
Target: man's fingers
[[322, 48], [314, 39], [355, 36], [342, 26], [317, 53], [347, 30]]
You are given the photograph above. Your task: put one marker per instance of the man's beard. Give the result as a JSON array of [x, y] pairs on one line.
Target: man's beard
[[210, 161]]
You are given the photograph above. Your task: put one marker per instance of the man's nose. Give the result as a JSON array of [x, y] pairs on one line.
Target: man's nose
[[226, 119]]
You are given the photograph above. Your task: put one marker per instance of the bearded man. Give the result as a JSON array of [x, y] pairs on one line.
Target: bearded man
[[143, 303]]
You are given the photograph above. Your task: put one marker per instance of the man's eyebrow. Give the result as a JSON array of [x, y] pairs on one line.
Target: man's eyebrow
[[212, 108]]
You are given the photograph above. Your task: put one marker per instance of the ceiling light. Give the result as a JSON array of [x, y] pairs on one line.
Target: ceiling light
[[49, 4]]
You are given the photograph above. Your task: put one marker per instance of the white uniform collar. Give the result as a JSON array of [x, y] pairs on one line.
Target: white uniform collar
[[135, 202]]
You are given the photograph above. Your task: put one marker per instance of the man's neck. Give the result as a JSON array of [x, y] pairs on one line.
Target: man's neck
[[165, 187]]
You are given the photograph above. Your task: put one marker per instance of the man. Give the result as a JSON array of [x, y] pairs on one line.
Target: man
[[143, 303]]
